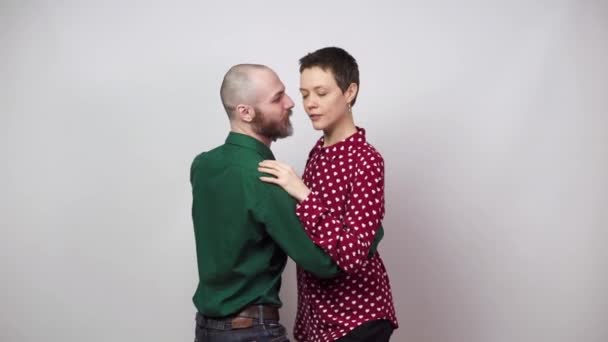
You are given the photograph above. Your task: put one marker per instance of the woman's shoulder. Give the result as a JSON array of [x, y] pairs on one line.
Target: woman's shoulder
[[368, 153]]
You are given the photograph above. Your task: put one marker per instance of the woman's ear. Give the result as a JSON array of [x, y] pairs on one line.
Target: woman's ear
[[351, 92]]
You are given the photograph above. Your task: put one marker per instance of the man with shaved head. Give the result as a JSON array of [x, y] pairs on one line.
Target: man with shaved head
[[256, 85], [245, 228]]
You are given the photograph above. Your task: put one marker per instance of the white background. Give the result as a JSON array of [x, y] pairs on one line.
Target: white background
[[492, 117]]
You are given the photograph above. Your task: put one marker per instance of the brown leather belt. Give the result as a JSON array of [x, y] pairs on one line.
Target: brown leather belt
[[263, 311], [249, 315]]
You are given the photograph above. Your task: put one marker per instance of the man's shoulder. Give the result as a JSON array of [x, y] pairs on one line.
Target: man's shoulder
[[238, 170], [229, 156], [205, 155]]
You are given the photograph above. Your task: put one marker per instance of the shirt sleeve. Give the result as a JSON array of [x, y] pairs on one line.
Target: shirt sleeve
[[277, 211], [348, 240]]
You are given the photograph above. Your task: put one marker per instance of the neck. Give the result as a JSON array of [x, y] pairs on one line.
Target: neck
[[340, 131], [245, 129]]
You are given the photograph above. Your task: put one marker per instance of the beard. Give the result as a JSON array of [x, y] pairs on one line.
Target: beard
[[273, 130]]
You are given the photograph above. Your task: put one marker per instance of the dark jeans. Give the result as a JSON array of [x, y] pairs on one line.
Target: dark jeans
[[372, 331], [220, 330]]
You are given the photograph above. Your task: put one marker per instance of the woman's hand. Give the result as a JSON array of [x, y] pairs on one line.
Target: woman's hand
[[284, 176]]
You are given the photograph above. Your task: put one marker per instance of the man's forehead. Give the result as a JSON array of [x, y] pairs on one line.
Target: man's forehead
[[269, 84]]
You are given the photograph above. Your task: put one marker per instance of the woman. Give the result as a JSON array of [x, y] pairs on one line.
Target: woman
[[341, 206]]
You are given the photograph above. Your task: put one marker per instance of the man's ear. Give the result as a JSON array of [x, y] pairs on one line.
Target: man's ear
[[245, 112], [351, 92]]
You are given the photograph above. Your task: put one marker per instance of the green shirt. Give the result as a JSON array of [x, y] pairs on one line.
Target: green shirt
[[244, 228]]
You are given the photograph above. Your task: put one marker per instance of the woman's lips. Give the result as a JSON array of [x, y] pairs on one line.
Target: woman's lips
[[314, 117]]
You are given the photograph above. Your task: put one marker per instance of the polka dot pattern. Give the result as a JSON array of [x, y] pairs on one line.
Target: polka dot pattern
[[341, 215]]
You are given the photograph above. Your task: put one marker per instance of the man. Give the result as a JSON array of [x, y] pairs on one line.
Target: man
[[243, 227]]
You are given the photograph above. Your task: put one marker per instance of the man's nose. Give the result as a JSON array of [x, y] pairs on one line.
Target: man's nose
[[290, 104]]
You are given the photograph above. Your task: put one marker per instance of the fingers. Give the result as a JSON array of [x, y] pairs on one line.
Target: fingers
[[269, 180], [269, 163], [269, 171], [275, 164]]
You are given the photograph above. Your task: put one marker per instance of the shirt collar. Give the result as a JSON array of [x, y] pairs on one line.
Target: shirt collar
[[342, 147], [251, 143]]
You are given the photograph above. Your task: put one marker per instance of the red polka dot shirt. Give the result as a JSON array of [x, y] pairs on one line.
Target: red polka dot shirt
[[341, 215]]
